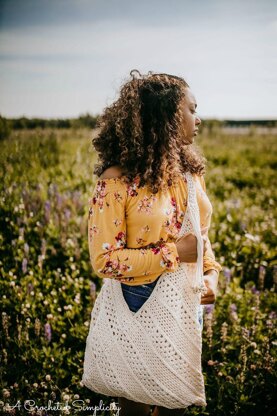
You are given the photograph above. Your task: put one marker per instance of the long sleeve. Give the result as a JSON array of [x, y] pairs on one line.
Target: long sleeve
[[209, 261], [107, 233]]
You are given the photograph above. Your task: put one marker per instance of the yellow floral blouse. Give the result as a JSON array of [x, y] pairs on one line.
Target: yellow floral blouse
[[131, 231]]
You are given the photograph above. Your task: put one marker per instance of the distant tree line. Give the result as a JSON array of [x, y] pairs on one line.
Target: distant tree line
[[24, 123], [249, 123], [86, 120], [89, 121], [239, 123]]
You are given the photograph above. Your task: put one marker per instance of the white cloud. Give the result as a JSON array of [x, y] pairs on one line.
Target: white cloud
[[229, 66]]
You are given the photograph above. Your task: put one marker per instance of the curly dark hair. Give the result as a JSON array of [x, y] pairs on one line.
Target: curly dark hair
[[141, 132]]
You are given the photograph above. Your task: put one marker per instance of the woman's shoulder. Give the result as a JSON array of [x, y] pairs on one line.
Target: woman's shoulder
[[112, 176], [113, 172], [112, 180]]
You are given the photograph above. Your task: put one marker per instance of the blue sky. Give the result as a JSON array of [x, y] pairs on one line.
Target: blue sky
[[62, 58]]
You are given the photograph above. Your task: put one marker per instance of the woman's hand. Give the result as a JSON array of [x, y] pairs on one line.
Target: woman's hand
[[187, 248], [211, 281]]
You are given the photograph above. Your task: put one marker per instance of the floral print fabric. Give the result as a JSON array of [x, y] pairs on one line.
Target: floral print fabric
[[131, 231]]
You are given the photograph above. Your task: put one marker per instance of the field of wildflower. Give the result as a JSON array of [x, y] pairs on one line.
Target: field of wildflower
[[48, 288]]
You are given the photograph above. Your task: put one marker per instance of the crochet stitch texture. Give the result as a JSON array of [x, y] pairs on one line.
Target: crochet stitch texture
[[151, 356]]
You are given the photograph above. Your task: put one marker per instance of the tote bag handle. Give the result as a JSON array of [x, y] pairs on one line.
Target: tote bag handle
[[194, 216]]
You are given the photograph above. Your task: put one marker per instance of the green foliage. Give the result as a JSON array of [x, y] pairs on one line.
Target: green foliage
[[23, 123], [48, 289], [5, 129], [243, 192]]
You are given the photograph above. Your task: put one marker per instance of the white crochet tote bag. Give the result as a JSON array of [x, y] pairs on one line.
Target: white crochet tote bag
[[151, 356]]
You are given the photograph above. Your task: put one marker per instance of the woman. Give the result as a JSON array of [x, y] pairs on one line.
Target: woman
[[139, 201]]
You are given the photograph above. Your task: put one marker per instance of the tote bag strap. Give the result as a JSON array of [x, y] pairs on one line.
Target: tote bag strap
[[194, 217]]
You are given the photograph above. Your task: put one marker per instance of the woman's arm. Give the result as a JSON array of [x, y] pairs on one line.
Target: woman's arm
[[209, 261], [107, 237], [211, 282], [211, 266]]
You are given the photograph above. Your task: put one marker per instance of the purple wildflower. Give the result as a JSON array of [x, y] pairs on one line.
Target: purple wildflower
[[209, 308], [245, 332], [254, 290], [51, 190], [269, 323], [47, 332], [67, 214], [25, 195], [43, 247], [242, 226], [233, 312], [92, 287], [272, 315], [77, 199], [30, 288], [59, 200], [262, 271], [92, 290], [47, 210], [235, 203], [233, 307], [227, 274], [24, 265], [26, 249], [40, 261], [76, 196]]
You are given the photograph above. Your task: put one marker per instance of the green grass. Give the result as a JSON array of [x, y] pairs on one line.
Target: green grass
[[48, 288]]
